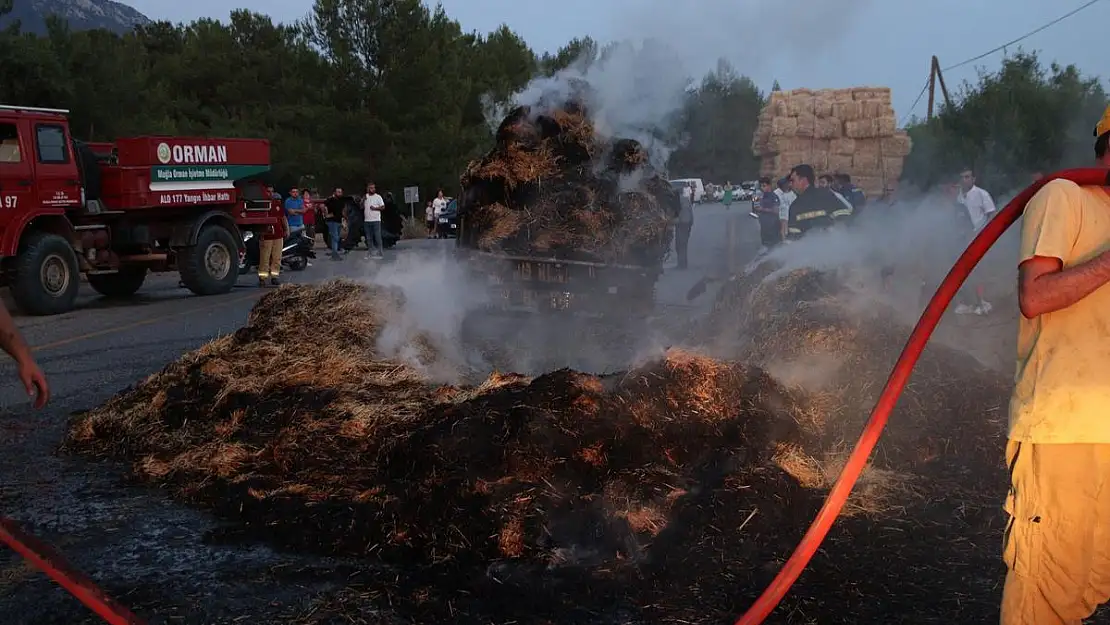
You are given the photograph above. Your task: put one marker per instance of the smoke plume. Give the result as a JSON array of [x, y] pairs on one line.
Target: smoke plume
[[661, 50]]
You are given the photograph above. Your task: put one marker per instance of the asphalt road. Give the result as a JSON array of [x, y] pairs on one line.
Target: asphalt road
[[150, 553]]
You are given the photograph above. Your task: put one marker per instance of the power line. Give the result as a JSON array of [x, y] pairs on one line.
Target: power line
[[1023, 37], [909, 113], [1027, 35]]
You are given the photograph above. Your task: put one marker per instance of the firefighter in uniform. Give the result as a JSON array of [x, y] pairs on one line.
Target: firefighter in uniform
[[852, 193], [814, 207]]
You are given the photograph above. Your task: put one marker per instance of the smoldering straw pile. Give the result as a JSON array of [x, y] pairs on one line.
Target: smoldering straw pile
[[658, 493], [553, 185]]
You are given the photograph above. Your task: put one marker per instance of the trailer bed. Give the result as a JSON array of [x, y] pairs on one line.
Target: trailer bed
[[536, 284]]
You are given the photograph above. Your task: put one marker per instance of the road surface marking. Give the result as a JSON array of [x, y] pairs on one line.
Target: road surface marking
[[140, 323]]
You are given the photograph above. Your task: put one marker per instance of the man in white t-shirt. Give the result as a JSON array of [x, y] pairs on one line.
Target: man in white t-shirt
[[980, 208], [438, 206], [786, 198], [372, 205], [979, 204]]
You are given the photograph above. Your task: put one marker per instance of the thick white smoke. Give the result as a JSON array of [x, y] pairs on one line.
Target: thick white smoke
[[663, 49]]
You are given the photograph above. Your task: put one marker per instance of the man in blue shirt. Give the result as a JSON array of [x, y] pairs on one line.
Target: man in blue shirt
[[768, 213], [294, 211]]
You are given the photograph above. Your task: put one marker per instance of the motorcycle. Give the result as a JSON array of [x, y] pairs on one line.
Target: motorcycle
[[295, 252]]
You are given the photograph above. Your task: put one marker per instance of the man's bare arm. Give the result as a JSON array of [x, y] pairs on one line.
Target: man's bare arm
[[1045, 286]]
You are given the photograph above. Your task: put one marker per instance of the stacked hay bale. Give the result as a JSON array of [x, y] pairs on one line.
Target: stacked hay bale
[[851, 131]]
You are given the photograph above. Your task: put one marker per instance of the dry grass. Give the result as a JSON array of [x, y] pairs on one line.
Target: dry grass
[[517, 165], [341, 451], [551, 169], [805, 328], [577, 128], [496, 222], [658, 479], [414, 228], [878, 492]]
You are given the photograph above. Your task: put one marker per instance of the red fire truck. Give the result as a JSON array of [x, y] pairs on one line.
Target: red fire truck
[[116, 211]]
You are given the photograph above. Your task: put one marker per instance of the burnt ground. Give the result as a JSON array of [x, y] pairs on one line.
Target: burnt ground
[[164, 560], [173, 564]]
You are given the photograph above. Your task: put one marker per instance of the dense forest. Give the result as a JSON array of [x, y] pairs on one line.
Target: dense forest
[[398, 92]]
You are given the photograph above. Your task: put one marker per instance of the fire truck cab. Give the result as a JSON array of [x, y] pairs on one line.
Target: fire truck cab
[[116, 211]]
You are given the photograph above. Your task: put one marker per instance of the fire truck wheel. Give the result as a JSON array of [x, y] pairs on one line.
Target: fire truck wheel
[[212, 265], [122, 284], [46, 275]]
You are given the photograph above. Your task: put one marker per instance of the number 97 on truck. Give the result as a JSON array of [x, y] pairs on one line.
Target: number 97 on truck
[[116, 211]]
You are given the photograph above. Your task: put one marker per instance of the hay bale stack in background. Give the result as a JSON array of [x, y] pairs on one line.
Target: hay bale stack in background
[[554, 186], [851, 131]]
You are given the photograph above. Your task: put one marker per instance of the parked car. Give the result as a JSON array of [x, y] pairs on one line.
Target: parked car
[[699, 187], [392, 223], [746, 191]]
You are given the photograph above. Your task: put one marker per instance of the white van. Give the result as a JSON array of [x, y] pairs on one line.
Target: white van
[[699, 187]]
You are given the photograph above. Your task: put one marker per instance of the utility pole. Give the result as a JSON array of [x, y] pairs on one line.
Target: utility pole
[[935, 78]]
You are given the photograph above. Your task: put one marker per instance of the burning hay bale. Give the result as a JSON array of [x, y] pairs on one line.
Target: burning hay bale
[[553, 185]]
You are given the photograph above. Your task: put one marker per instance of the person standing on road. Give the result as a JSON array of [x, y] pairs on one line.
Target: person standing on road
[[1056, 544], [309, 219], [11, 341], [814, 207], [684, 223], [429, 219], [334, 206], [439, 204], [294, 211], [980, 208], [768, 214], [309, 215], [372, 205], [727, 198], [269, 248], [852, 193], [978, 203], [786, 198]]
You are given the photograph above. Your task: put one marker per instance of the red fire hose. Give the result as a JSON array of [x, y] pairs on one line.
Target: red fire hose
[[809, 544], [45, 559]]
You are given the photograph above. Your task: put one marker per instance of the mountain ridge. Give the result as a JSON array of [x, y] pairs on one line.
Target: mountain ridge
[[79, 14]]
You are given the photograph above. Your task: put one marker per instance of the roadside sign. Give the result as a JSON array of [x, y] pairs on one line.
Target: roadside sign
[[412, 195]]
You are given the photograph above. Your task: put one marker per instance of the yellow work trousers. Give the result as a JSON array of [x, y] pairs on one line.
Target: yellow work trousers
[[1057, 539], [269, 258]]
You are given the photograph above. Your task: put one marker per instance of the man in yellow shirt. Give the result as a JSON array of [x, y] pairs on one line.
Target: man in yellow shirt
[[1057, 540]]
